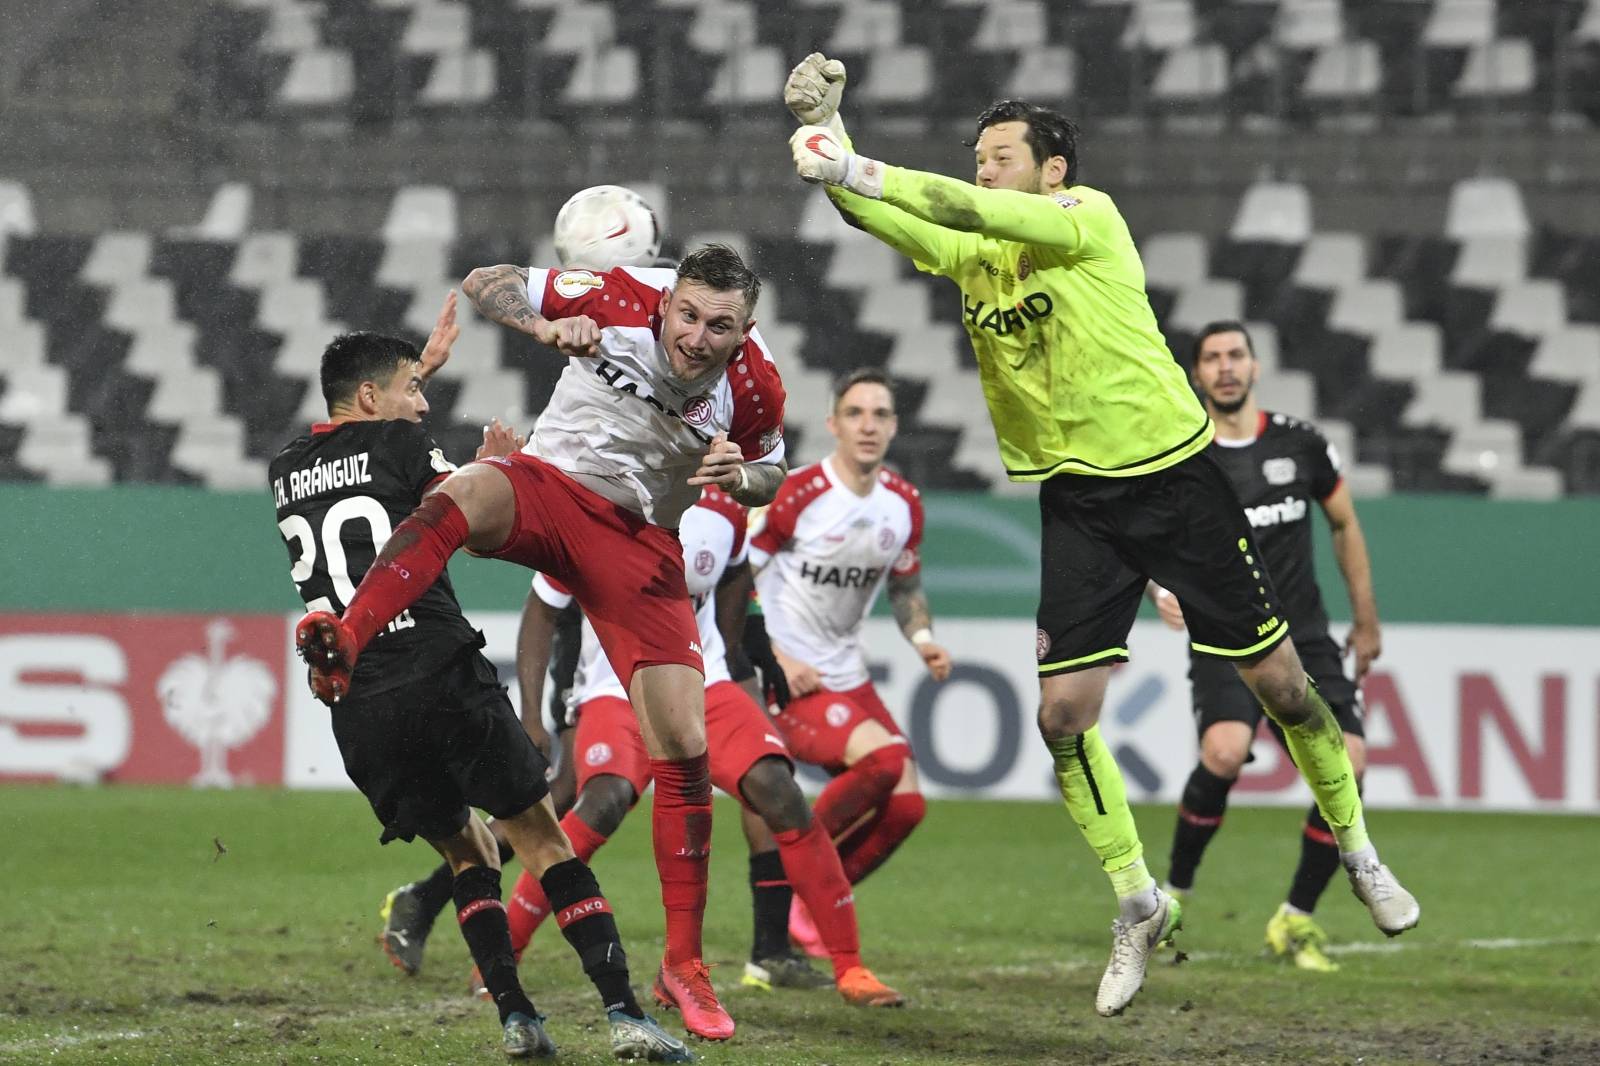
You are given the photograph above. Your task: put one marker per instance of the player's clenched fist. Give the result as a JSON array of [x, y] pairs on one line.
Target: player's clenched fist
[[813, 90], [578, 336], [820, 157], [722, 465]]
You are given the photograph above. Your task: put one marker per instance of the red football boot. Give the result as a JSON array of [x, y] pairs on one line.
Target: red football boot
[[687, 986], [328, 647]]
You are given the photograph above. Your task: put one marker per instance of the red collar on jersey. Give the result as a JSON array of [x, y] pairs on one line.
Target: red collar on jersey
[[323, 427], [1261, 422]]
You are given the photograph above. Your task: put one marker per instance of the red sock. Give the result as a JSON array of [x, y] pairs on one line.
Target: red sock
[[812, 865], [863, 787], [680, 825], [867, 850], [529, 905], [408, 565]]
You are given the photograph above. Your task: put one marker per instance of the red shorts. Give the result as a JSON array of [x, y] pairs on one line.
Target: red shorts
[[817, 726], [738, 735], [625, 573]]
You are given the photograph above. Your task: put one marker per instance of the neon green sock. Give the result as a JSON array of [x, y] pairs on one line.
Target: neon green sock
[[1318, 749], [1091, 785]]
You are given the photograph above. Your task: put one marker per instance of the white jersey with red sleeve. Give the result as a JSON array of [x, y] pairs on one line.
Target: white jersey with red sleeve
[[713, 536], [623, 415], [824, 553]]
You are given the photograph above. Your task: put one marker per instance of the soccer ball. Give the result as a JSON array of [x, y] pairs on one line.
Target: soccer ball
[[607, 226]]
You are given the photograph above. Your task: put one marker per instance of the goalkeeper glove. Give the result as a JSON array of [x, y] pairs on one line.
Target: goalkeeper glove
[[813, 90], [757, 646], [819, 156]]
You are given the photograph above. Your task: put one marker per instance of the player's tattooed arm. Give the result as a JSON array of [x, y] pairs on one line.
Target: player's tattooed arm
[[911, 611], [500, 293], [760, 484]]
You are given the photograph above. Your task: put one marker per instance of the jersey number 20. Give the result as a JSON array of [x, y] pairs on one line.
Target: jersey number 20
[[297, 531]]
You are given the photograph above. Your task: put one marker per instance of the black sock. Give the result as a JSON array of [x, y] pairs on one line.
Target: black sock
[[435, 892], [585, 920], [1205, 798], [770, 895], [1319, 858], [483, 925]]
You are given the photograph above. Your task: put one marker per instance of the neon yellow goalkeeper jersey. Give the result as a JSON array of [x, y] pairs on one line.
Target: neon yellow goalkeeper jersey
[[1077, 376]]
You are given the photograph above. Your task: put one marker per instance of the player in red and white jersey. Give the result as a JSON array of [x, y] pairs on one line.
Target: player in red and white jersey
[[838, 532], [667, 391], [748, 758]]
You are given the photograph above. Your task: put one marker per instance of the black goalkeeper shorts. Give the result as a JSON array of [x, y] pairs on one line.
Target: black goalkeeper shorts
[[424, 753], [1219, 695], [1182, 527]]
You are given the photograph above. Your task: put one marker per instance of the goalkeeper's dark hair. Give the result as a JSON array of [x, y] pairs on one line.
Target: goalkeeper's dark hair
[[1049, 132], [866, 375], [1211, 329], [720, 267], [351, 358]]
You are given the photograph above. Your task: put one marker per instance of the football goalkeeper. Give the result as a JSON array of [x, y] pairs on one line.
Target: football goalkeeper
[[1087, 401]]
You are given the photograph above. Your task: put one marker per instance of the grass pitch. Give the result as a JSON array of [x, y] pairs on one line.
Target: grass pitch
[[128, 936]]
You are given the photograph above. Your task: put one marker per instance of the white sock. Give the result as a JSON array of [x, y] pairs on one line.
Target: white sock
[[1139, 906], [1356, 858]]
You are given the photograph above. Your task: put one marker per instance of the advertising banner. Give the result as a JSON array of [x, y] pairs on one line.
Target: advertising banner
[[1468, 717], [164, 698]]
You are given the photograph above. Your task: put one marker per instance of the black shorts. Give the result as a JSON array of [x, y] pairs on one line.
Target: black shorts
[[1219, 695], [424, 753], [1182, 527]]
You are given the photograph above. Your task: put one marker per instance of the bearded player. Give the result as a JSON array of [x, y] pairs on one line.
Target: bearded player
[[839, 532], [748, 759], [666, 390], [1087, 401], [602, 228], [427, 732], [1279, 465]]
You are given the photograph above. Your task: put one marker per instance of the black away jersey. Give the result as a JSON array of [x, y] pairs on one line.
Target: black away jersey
[[340, 492], [1280, 476]]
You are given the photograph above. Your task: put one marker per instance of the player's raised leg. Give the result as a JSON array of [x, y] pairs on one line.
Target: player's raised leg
[[1313, 737], [474, 507]]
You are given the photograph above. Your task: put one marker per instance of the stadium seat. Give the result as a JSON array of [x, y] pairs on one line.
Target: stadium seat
[[318, 77], [1191, 74], [227, 216], [1308, 24], [748, 77], [1047, 72], [866, 26], [1498, 69], [421, 211], [1160, 25], [16, 209], [1486, 207], [1273, 211], [603, 77], [1459, 24], [1343, 72], [1331, 261]]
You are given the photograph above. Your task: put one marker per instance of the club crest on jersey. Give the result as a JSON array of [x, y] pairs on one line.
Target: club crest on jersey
[[574, 283], [439, 463], [704, 561], [1278, 471], [885, 538], [1024, 267], [697, 412], [837, 714], [598, 754]]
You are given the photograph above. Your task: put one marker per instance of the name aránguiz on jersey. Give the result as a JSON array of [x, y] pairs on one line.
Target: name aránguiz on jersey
[[1002, 321], [618, 379], [1292, 509], [322, 477], [844, 577]]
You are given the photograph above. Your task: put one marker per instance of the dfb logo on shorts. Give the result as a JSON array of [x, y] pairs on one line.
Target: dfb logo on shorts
[[704, 561], [697, 412], [837, 714], [598, 754], [885, 538], [1041, 643]]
